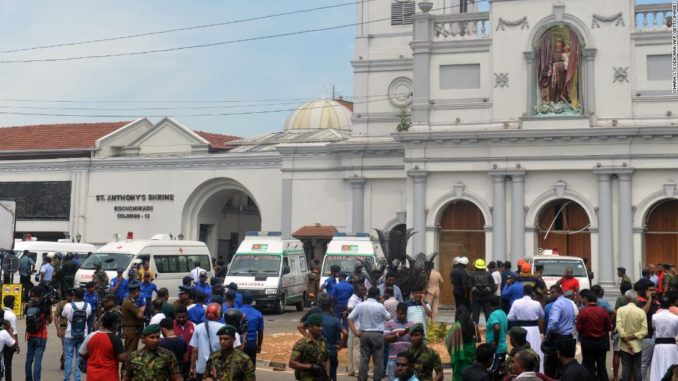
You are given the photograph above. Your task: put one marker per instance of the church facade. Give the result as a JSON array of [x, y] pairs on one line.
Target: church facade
[[534, 125]]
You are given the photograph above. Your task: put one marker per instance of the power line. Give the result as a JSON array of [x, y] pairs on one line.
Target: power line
[[203, 26], [212, 44], [177, 115]]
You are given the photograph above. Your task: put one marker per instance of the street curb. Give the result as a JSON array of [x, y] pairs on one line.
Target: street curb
[[272, 364]]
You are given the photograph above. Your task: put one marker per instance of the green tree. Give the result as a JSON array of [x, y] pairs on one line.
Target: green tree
[[405, 120]]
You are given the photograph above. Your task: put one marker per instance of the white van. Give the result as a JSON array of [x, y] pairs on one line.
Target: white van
[[43, 249], [170, 260], [345, 250], [554, 268], [274, 271]]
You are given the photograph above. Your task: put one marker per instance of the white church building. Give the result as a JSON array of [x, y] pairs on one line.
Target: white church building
[[534, 125]]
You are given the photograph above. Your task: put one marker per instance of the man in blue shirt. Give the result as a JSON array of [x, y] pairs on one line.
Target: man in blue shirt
[[561, 319], [238, 296], [389, 282], [91, 298], [147, 289], [332, 331], [204, 287], [329, 283], [255, 328], [341, 293], [196, 311], [512, 291], [118, 286]]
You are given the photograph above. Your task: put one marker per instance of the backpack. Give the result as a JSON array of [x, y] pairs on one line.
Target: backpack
[[34, 322], [482, 283], [78, 321]]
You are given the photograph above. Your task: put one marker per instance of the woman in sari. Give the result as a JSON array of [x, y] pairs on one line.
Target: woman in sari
[[461, 342]]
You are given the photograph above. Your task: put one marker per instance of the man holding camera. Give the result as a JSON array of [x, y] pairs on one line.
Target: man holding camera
[[38, 314]]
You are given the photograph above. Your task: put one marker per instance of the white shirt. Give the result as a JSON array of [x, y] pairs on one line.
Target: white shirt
[[195, 274], [497, 280], [526, 309], [157, 318], [371, 314], [11, 318], [205, 346], [6, 340], [353, 301], [68, 314]]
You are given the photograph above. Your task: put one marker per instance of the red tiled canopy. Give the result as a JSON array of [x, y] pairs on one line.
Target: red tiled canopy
[[315, 231]]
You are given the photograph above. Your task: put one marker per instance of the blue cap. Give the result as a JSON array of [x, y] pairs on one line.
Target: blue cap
[[133, 285]]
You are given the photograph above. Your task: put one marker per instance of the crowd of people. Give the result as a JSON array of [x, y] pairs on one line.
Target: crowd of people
[[213, 332]]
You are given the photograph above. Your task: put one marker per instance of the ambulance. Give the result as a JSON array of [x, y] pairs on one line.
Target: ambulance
[[346, 250], [169, 259], [555, 265], [38, 250], [271, 269]]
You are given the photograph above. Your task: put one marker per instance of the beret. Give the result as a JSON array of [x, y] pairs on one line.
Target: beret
[[417, 328], [151, 329], [314, 319], [227, 330]]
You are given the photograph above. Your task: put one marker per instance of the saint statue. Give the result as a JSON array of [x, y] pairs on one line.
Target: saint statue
[[558, 72]]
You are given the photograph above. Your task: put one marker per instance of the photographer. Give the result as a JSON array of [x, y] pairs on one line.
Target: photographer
[[38, 316]]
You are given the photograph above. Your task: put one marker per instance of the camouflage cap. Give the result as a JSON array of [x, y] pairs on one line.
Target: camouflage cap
[[151, 329]]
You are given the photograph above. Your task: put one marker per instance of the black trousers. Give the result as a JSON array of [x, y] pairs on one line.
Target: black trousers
[[594, 353], [251, 350], [8, 355], [479, 304]]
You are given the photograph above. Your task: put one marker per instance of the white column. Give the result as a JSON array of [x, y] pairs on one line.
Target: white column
[[421, 62], [286, 209], [626, 222], [517, 217], [498, 217], [605, 258], [358, 204], [419, 211]]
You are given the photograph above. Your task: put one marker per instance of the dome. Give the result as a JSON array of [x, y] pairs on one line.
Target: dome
[[320, 114]]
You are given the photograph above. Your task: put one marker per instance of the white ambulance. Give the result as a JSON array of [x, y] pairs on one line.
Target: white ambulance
[[169, 259], [346, 250], [555, 266], [38, 250], [271, 269]]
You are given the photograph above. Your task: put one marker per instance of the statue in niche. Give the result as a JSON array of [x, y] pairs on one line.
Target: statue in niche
[[558, 63]]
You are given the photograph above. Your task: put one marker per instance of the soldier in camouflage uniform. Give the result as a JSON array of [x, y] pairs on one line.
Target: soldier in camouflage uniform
[[626, 283], [101, 280], [108, 305], [426, 360], [518, 340], [310, 357], [670, 278], [153, 363], [229, 364]]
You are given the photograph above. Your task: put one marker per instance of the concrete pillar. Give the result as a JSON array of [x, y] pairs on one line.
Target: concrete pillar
[[498, 217], [517, 217], [419, 211], [286, 209], [605, 258], [589, 87], [357, 204], [421, 51], [626, 223]]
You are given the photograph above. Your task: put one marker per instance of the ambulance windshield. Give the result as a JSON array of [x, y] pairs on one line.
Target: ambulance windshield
[[250, 264]]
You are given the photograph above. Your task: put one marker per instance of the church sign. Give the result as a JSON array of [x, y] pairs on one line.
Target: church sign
[[133, 211]]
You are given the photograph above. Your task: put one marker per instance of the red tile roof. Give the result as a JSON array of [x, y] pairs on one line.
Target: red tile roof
[[316, 230], [78, 136], [217, 141], [55, 136]]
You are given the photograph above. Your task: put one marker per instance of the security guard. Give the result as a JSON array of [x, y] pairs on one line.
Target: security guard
[[152, 363], [132, 317], [100, 279], [625, 283], [229, 364], [310, 358]]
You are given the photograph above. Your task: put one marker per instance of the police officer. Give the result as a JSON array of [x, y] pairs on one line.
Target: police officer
[[132, 317], [229, 364], [310, 358], [108, 304], [153, 362], [625, 283]]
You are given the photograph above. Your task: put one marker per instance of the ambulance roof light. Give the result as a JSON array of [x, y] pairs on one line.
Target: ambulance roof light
[[351, 234], [253, 233], [130, 236]]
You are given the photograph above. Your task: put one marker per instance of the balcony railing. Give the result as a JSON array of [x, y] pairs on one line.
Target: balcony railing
[[465, 26], [653, 17]]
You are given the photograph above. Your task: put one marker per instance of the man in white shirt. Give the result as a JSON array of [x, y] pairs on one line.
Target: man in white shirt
[[157, 312], [205, 340], [46, 271], [76, 330], [496, 275], [371, 316], [528, 314], [9, 348], [354, 342], [195, 273]]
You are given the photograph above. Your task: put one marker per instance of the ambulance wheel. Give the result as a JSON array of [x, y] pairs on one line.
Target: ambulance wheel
[[280, 305]]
